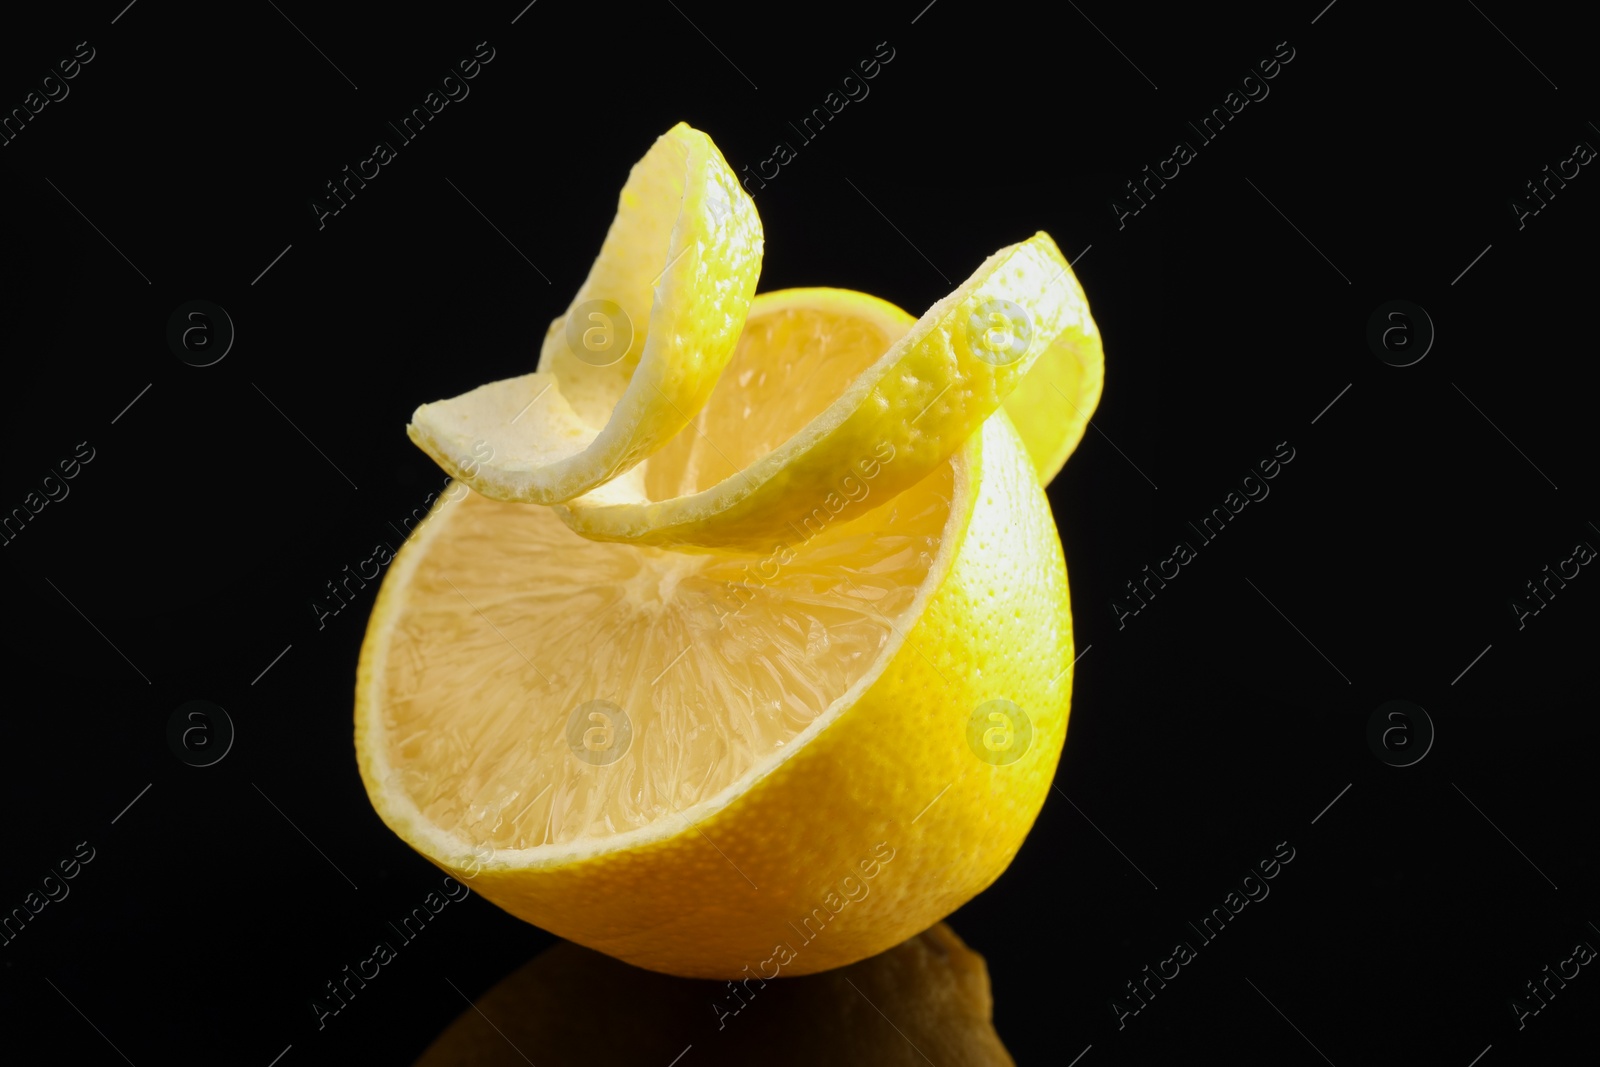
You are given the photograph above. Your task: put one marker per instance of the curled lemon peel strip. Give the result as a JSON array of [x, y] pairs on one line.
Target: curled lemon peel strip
[[928, 392], [651, 329], [633, 362]]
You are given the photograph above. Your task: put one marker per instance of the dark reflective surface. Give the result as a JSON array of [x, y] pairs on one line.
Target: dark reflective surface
[[173, 899], [926, 1000]]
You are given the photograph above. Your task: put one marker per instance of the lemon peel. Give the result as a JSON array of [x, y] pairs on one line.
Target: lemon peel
[[668, 294], [926, 394]]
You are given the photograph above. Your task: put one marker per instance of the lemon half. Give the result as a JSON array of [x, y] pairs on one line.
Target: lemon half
[[784, 756]]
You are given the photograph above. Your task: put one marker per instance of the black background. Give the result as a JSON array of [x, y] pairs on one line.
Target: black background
[[1220, 720]]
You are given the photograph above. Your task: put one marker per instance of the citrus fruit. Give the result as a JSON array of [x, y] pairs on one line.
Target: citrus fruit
[[781, 675], [927, 1000], [1052, 404], [922, 392], [639, 348], [712, 765]]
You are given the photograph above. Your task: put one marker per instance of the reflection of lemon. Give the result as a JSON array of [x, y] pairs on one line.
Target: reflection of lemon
[[926, 1000]]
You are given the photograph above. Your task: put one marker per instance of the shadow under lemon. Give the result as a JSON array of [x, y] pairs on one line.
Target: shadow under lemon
[[926, 999]]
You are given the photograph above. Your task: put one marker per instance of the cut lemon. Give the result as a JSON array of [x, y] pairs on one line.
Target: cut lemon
[[833, 722], [705, 765], [759, 474], [637, 352]]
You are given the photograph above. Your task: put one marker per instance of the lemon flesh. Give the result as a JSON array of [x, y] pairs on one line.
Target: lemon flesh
[[707, 667], [799, 350]]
